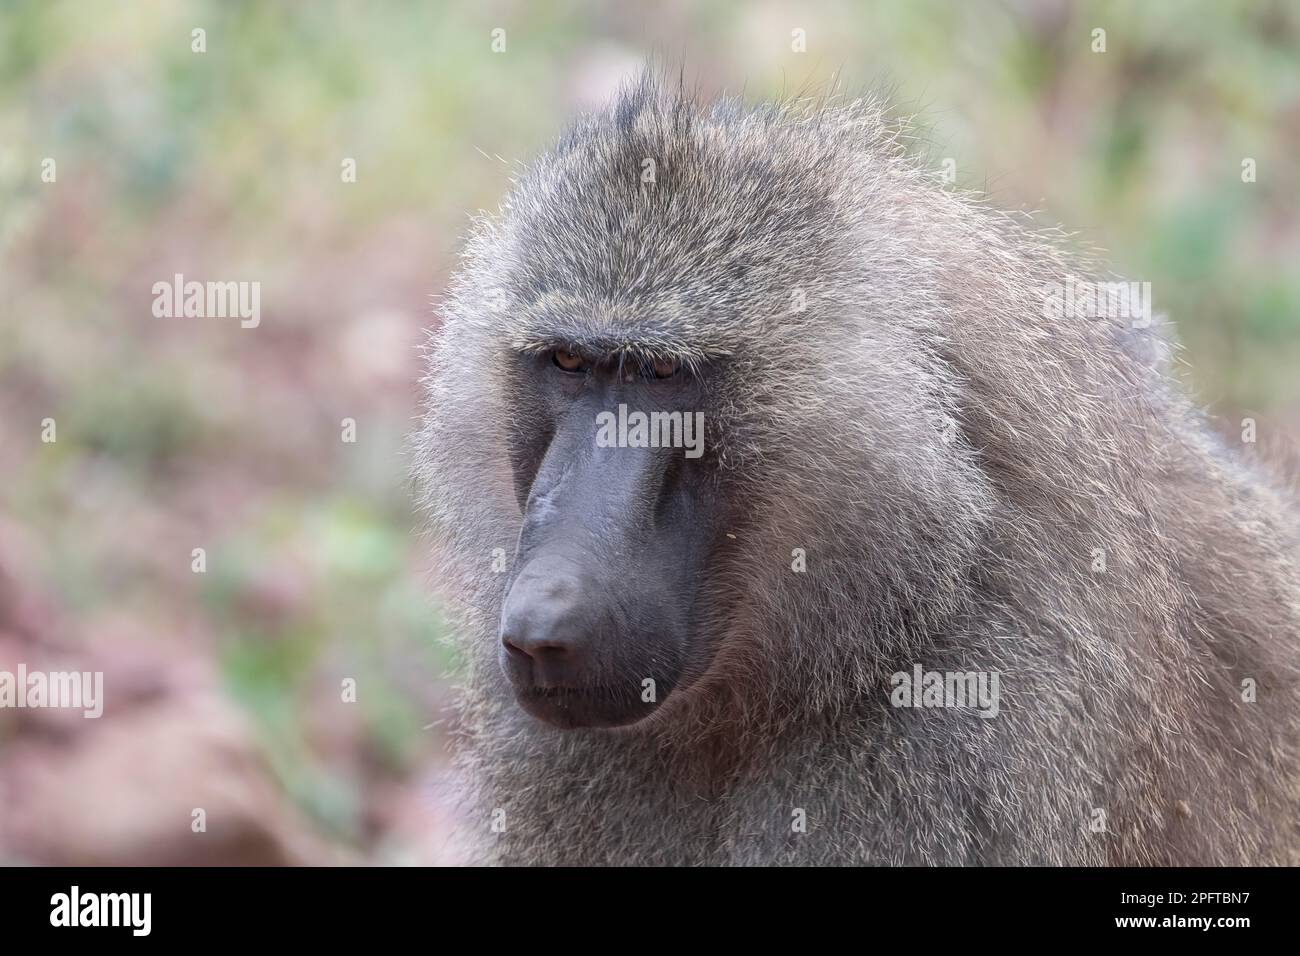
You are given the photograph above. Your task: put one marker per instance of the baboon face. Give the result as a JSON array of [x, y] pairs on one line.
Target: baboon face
[[712, 295], [597, 623]]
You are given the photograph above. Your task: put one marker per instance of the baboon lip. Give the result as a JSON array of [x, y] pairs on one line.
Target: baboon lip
[[589, 706], [597, 691]]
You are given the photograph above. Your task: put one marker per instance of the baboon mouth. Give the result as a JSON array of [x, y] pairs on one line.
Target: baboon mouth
[[594, 705], [590, 692]]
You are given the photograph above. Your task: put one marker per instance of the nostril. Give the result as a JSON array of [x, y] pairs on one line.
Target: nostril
[[514, 647], [545, 647], [550, 649], [521, 644]]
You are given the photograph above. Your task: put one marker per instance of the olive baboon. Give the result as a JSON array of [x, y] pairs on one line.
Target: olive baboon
[[908, 462]]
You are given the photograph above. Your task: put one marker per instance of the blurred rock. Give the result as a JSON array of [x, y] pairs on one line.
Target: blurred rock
[[124, 792], [122, 789]]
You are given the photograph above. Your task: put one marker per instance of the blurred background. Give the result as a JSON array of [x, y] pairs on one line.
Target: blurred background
[[224, 687]]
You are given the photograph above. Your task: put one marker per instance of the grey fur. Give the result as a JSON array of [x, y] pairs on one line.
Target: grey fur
[[1121, 690]]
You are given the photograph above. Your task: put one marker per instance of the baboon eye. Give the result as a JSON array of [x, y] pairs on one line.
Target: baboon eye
[[568, 361], [665, 368]]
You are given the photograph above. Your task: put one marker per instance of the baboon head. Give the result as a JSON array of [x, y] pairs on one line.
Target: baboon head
[[654, 363]]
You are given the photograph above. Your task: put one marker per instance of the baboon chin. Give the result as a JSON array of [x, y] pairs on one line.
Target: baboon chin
[[772, 481]]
